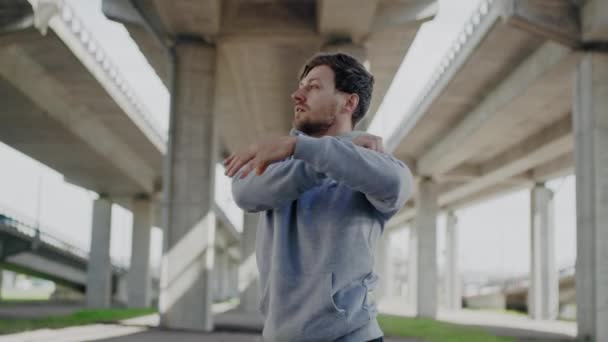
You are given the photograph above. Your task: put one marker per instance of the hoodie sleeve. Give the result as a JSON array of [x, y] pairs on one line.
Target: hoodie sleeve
[[281, 183], [385, 181]]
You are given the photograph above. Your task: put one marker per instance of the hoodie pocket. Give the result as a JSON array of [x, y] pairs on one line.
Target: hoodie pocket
[[302, 308]]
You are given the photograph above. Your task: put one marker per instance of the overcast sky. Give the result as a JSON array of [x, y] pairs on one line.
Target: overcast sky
[[494, 235]]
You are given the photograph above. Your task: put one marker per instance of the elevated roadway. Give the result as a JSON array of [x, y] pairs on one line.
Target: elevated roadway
[[519, 99]]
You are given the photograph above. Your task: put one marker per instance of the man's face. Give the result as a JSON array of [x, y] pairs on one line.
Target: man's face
[[316, 102]]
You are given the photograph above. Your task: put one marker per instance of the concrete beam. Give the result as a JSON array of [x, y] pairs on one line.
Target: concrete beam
[[398, 13], [594, 16], [557, 20], [461, 173], [559, 167], [449, 70], [345, 18], [453, 149], [538, 149], [48, 93], [188, 17]]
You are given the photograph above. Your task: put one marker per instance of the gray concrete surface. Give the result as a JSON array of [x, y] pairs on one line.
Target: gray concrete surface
[[543, 295], [452, 280], [138, 276], [99, 269], [39, 309], [591, 132], [186, 291], [249, 284], [426, 231]]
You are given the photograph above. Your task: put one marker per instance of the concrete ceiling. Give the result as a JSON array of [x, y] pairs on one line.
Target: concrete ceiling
[[262, 44], [57, 112], [497, 114]]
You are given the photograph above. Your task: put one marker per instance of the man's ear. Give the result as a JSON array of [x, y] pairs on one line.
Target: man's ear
[[352, 101]]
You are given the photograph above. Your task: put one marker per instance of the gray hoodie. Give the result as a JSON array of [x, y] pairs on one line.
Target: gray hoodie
[[322, 211]]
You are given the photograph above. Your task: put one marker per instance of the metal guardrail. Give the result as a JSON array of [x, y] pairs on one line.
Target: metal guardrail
[[29, 227]]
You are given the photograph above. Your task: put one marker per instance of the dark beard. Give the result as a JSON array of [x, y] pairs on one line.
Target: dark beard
[[314, 129]]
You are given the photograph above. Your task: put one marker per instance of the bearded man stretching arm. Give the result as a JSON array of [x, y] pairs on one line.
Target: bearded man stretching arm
[[325, 193]]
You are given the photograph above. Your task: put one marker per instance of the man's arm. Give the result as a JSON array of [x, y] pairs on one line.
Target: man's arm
[[281, 183], [386, 182]]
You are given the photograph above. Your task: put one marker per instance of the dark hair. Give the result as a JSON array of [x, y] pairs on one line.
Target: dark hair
[[350, 77]]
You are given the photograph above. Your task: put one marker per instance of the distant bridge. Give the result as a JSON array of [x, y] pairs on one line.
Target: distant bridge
[[25, 248]]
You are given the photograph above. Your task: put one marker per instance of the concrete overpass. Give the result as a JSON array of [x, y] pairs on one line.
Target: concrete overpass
[[230, 67], [28, 250], [67, 105], [519, 99]]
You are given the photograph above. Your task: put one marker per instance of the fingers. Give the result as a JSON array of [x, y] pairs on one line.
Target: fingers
[[231, 162], [247, 169], [235, 166], [261, 168], [229, 159]]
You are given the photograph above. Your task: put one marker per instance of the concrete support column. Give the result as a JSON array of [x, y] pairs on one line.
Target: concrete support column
[[382, 265], [426, 229], [227, 276], [138, 278], [591, 167], [99, 269], [453, 297], [215, 275], [249, 287], [188, 258], [543, 294], [234, 278], [412, 267], [222, 272]]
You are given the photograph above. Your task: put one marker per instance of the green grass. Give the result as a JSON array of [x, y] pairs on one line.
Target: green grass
[[83, 317], [434, 331]]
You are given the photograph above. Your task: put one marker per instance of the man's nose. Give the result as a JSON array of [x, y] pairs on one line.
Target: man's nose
[[298, 96]]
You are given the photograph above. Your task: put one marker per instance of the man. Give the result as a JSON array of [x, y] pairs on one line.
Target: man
[[324, 193]]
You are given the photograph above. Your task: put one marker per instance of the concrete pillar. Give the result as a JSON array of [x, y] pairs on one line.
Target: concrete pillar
[[138, 278], [215, 278], [234, 278], [412, 267], [591, 167], [99, 269], [249, 287], [381, 266], [226, 276], [543, 294], [220, 273], [185, 291], [426, 230], [453, 297]]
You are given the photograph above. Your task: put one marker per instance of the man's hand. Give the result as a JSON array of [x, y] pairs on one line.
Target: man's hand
[[369, 141], [258, 156]]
